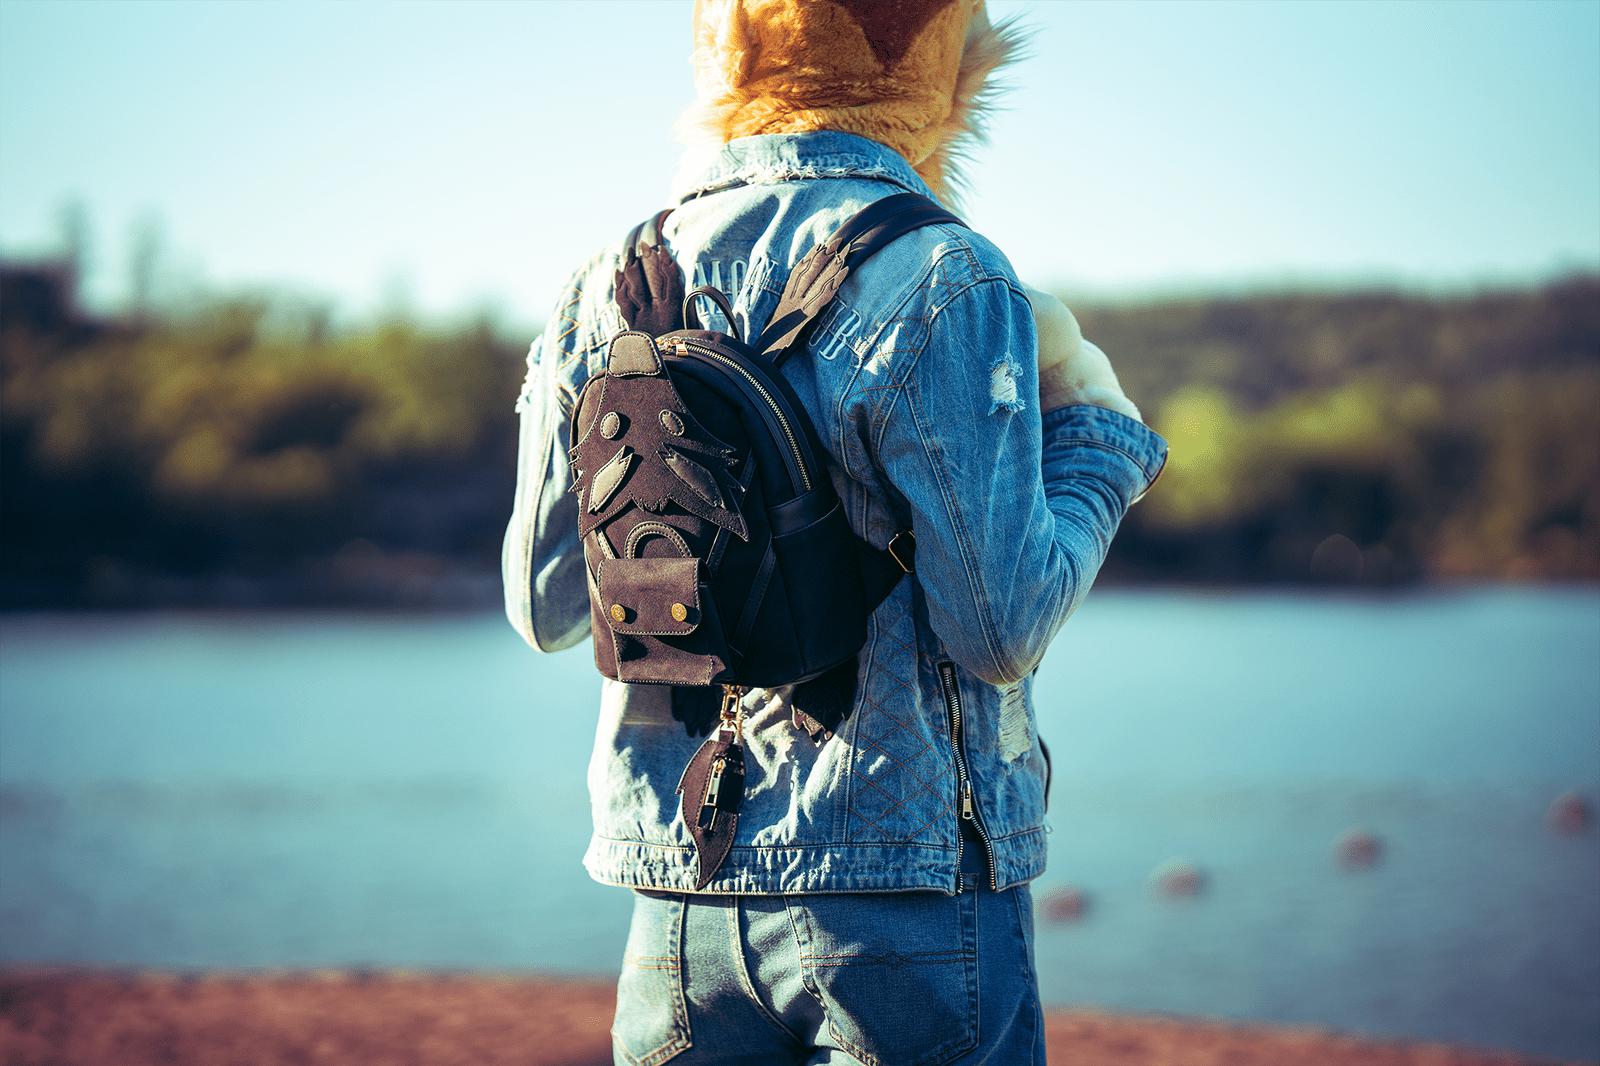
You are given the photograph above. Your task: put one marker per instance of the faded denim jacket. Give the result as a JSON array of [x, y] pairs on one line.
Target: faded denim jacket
[[923, 384]]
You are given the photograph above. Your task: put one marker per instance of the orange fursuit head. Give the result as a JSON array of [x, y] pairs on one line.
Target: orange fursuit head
[[911, 74]]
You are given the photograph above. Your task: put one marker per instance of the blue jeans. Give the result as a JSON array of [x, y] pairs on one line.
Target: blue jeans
[[915, 978]]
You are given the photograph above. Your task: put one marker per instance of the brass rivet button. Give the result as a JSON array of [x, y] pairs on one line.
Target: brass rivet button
[[679, 612], [619, 613]]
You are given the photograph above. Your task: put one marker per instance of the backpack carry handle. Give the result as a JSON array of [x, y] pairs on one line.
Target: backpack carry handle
[[691, 316]]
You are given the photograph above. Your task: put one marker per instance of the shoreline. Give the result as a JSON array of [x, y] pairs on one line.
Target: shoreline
[[476, 593], [79, 1017]]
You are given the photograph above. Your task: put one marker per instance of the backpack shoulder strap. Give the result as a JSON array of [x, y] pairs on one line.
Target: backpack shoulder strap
[[811, 287], [649, 284], [818, 276]]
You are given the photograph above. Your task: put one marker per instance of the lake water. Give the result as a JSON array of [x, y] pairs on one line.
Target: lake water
[[236, 790]]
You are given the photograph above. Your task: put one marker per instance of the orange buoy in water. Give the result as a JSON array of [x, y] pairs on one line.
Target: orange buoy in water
[[1179, 880], [1359, 850], [1066, 905], [1569, 813]]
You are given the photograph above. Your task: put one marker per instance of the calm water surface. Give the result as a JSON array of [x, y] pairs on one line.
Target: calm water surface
[[199, 790]]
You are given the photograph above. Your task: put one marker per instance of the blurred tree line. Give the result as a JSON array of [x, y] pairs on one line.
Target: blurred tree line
[[1373, 437], [241, 451], [244, 452]]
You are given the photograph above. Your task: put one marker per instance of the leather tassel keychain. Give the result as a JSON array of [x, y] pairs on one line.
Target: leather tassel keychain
[[712, 787]]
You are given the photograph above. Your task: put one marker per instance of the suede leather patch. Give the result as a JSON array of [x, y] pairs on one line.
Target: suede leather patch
[[644, 593]]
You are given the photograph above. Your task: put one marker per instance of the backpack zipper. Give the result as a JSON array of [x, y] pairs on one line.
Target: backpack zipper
[[772, 403], [969, 804]]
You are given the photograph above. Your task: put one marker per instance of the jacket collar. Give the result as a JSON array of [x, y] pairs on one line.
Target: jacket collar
[[765, 159]]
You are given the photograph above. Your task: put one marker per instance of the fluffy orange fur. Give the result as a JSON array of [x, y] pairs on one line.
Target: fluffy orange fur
[[915, 75]]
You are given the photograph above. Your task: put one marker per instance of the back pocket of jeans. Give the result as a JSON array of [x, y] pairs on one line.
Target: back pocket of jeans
[[652, 1020], [897, 972]]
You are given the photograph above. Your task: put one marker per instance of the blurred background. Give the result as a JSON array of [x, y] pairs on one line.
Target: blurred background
[[1326, 735]]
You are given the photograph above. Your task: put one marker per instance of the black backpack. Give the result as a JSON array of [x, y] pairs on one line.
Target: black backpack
[[718, 554]]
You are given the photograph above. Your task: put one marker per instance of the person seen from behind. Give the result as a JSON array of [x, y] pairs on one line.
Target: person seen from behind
[[874, 906]]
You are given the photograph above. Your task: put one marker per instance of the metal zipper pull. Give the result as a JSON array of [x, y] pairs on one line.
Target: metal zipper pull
[[712, 788], [708, 804], [969, 803]]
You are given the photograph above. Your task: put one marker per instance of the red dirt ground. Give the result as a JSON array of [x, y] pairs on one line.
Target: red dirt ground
[[75, 1018]]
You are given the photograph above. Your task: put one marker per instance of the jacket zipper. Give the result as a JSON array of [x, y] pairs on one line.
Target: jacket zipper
[[772, 403], [969, 804]]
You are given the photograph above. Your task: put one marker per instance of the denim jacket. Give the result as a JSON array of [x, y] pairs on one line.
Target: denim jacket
[[923, 384]]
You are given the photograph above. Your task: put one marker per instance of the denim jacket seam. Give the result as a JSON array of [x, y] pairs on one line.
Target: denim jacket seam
[[527, 532], [1018, 833], [1108, 446], [549, 434], [858, 707], [561, 346], [883, 426], [975, 576], [574, 345], [839, 414], [845, 170], [869, 339], [1124, 432], [934, 311], [969, 562], [868, 344], [809, 845], [898, 387], [561, 382], [1148, 479], [867, 160]]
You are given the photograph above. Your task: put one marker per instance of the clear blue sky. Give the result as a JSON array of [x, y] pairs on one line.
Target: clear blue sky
[[466, 154]]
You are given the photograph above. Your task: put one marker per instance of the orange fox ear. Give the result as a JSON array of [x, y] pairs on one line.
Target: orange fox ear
[[891, 25]]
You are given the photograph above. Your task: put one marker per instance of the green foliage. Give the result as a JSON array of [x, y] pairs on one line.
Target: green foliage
[[205, 445], [1398, 436], [1370, 437]]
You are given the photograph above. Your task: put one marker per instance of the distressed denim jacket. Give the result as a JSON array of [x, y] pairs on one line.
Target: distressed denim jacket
[[923, 384]]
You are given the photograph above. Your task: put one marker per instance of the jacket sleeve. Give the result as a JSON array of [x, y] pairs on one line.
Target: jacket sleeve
[[1013, 512], [541, 562]]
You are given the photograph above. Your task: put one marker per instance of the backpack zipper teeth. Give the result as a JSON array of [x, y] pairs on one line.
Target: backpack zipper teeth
[[794, 443], [969, 804]]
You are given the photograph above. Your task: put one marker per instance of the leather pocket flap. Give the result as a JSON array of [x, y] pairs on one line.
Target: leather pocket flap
[[651, 597]]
